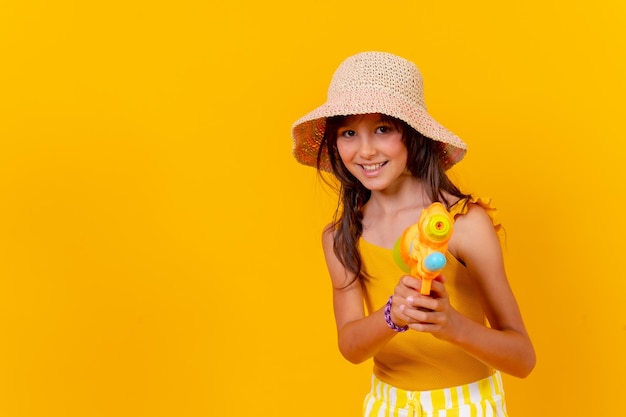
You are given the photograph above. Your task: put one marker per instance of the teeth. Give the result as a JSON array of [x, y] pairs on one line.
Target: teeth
[[372, 167]]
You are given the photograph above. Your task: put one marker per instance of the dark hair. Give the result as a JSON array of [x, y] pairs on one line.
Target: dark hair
[[423, 162]]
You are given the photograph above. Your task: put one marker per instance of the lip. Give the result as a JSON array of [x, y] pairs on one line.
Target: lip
[[372, 172]]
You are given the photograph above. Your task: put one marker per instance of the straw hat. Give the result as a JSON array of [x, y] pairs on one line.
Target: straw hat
[[373, 82]]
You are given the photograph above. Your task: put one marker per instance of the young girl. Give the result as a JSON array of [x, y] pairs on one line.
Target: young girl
[[434, 355]]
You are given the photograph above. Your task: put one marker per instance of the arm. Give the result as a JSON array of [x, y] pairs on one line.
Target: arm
[[359, 336], [505, 345]]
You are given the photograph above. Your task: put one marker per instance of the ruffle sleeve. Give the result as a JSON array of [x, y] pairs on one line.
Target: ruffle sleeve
[[461, 207]]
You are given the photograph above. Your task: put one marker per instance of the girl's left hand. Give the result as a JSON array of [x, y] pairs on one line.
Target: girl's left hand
[[433, 313]]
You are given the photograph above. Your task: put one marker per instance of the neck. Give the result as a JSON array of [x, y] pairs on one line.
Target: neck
[[409, 195], [389, 212]]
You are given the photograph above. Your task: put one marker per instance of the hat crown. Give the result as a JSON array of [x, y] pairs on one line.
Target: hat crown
[[378, 71]]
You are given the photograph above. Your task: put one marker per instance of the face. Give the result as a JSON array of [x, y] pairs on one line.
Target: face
[[373, 151]]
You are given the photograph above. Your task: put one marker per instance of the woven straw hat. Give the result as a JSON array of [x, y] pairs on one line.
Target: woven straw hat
[[373, 82]]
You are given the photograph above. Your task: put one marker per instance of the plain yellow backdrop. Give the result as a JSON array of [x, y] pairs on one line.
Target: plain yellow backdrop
[[160, 248]]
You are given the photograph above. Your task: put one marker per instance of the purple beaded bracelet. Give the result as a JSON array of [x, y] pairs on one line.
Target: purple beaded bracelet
[[391, 324]]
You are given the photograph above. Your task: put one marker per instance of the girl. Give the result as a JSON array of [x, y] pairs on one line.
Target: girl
[[433, 355]]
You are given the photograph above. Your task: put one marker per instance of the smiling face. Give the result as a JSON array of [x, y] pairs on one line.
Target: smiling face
[[372, 149]]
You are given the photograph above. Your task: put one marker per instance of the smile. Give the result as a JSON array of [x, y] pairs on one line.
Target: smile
[[372, 168]]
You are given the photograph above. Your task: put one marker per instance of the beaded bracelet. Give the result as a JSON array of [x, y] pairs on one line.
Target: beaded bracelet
[[391, 324]]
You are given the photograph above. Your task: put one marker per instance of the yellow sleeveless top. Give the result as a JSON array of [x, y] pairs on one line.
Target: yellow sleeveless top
[[416, 361]]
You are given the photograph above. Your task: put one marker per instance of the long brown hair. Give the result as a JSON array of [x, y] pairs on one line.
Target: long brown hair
[[423, 162]]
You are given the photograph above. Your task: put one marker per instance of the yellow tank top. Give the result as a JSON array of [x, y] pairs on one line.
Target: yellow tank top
[[416, 361]]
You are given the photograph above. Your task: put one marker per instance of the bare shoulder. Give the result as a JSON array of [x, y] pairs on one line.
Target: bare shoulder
[[474, 219], [474, 234]]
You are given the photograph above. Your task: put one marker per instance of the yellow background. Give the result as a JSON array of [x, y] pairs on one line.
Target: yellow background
[[159, 247]]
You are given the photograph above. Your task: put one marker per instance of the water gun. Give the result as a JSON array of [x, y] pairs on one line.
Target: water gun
[[421, 249]]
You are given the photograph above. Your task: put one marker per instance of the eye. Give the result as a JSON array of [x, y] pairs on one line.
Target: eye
[[384, 129], [346, 133]]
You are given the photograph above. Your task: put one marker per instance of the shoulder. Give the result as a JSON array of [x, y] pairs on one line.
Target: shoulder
[[474, 216], [475, 234]]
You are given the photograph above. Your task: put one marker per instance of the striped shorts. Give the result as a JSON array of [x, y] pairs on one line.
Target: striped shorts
[[484, 398]]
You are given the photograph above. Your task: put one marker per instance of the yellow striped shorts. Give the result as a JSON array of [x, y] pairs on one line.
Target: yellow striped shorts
[[484, 398]]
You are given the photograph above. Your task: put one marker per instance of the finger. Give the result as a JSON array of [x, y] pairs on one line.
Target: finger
[[401, 314], [424, 327], [419, 315], [411, 282], [422, 303], [406, 311], [438, 289]]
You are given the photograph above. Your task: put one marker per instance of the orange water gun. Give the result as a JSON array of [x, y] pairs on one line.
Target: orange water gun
[[421, 249]]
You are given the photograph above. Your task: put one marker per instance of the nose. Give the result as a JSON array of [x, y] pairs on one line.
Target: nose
[[367, 148]]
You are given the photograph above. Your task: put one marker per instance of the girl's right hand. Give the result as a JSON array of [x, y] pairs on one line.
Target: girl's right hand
[[407, 296], [408, 286]]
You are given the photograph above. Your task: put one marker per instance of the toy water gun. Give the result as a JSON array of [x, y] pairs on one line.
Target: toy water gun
[[421, 249]]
